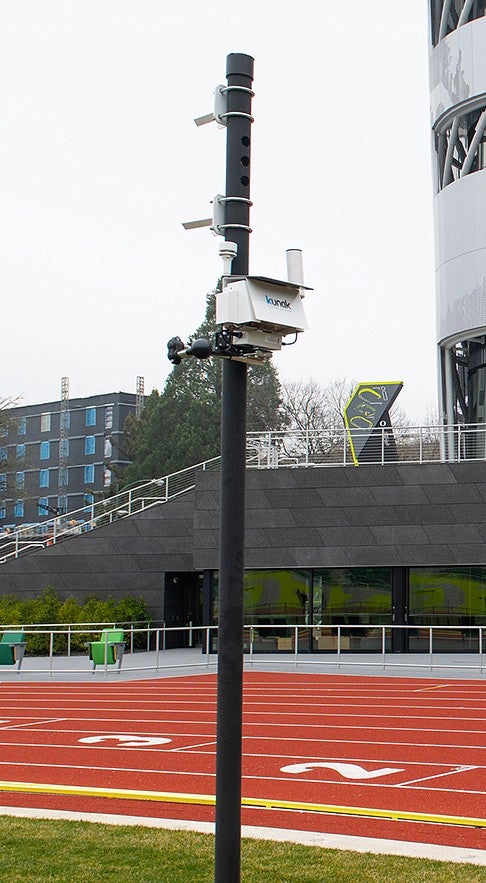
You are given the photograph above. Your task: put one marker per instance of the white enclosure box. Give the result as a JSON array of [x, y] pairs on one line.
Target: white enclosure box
[[257, 302]]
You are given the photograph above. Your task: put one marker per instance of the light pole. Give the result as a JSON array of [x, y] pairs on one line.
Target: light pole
[[239, 72]]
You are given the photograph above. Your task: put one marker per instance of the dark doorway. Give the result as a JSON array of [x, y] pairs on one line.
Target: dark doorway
[[183, 607]]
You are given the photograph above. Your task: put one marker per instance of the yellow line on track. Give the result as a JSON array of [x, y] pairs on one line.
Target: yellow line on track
[[265, 803]]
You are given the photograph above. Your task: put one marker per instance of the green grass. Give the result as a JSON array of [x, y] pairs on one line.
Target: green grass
[[39, 851]]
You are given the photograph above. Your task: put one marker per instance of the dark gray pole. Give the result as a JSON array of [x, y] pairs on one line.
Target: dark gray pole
[[239, 72]]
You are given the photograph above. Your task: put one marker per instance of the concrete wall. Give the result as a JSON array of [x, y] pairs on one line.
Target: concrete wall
[[366, 516], [128, 557], [358, 516]]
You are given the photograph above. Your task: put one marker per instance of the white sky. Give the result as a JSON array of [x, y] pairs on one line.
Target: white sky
[[100, 162]]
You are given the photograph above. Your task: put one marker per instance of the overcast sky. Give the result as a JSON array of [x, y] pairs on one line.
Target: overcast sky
[[101, 162]]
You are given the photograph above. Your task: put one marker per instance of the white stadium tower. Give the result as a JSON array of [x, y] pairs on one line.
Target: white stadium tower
[[458, 108]]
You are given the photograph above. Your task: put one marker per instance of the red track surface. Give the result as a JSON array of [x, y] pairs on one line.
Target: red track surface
[[424, 740]]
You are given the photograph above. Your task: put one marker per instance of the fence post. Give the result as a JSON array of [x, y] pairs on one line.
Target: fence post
[[69, 641], [383, 646], [339, 646], [51, 652], [157, 648], [131, 637], [296, 645], [431, 647], [208, 629]]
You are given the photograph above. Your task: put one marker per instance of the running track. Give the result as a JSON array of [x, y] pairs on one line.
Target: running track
[[399, 751]]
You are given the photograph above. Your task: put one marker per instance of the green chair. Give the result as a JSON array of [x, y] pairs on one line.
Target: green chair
[[12, 648], [109, 649]]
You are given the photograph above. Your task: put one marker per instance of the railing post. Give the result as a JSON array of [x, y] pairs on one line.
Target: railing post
[[431, 647], [131, 637], [458, 442], [51, 652], [296, 645], [157, 648], [339, 646], [130, 492], [69, 641], [16, 544], [383, 645]]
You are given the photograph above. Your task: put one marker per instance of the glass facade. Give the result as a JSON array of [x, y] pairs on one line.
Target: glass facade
[[353, 603], [447, 596], [275, 601]]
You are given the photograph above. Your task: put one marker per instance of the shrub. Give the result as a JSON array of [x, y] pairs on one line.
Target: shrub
[[48, 608]]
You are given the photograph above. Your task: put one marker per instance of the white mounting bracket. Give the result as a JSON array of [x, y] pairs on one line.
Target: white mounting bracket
[[220, 109], [216, 223], [221, 113]]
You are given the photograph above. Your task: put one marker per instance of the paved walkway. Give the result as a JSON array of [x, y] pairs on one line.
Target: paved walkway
[[170, 663]]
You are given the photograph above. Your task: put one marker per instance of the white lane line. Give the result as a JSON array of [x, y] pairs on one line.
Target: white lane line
[[42, 728], [249, 738], [207, 775], [109, 769], [460, 769], [192, 747], [36, 723]]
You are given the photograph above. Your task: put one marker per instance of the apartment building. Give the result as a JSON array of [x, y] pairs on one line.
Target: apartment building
[[60, 456]]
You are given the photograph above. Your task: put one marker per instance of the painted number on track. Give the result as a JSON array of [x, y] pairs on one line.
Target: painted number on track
[[127, 740], [347, 770]]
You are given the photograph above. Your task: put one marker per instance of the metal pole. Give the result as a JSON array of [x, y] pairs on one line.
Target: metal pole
[[239, 72]]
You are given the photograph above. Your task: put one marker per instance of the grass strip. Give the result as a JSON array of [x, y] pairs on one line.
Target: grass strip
[[35, 850]]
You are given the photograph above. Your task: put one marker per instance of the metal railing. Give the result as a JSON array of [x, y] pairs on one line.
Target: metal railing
[[122, 505], [158, 647], [410, 444]]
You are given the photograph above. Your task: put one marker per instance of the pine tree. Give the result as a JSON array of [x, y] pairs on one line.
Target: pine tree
[[182, 426]]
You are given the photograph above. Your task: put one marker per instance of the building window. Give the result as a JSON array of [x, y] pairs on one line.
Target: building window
[[65, 422], [3, 454], [108, 448], [88, 499], [89, 474], [62, 504], [45, 423], [20, 452], [19, 481], [3, 481], [108, 416], [43, 506], [18, 509], [64, 447], [89, 444], [45, 450], [63, 476], [22, 426], [90, 416], [107, 478], [44, 478], [3, 509]]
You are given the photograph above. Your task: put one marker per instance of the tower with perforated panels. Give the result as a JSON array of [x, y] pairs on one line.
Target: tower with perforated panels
[[458, 116]]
